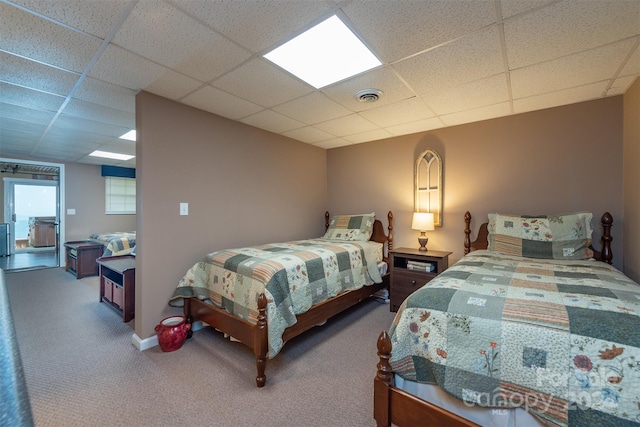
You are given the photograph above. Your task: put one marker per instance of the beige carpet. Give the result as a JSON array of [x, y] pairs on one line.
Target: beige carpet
[[82, 370]]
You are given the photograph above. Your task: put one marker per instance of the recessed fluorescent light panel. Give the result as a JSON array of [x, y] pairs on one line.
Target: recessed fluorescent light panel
[[108, 155], [131, 135], [324, 54]]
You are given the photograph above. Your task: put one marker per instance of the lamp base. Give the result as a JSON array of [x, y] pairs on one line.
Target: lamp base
[[422, 239]]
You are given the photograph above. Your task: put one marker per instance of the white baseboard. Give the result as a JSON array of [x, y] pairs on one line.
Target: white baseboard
[[152, 341]]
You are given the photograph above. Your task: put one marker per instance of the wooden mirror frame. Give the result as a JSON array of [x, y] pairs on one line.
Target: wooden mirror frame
[[429, 159]]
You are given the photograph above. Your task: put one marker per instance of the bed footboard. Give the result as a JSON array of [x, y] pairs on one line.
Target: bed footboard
[[395, 406], [252, 335], [255, 336]]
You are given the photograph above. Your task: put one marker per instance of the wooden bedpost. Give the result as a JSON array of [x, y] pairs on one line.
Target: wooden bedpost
[[261, 341], [326, 220], [382, 382], [606, 255], [187, 314], [467, 232], [390, 235]]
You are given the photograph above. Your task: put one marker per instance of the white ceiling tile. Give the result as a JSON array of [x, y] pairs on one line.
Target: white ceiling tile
[[23, 113], [632, 67], [332, 143], [384, 79], [262, 83], [33, 99], [479, 93], [99, 113], [405, 111], [417, 126], [76, 123], [568, 27], [92, 17], [478, 114], [107, 94], [372, 135], [7, 124], [312, 108], [172, 85], [465, 60], [598, 64], [40, 40], [22, 72], [397, 29], [346, 125], [513, 7], [157, 31], [278, 20], [562, 97], [215, 101], [74, 140], [123, 68], [620, 85], [20, 145], [272, 121], [309, 134]]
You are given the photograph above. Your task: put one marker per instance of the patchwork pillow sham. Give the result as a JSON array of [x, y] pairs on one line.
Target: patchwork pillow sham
[[350, 227], [563, 236]]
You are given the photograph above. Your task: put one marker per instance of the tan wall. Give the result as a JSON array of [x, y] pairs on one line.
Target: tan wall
[[243, 185], [551, 161], [85, 187], [631, 169]]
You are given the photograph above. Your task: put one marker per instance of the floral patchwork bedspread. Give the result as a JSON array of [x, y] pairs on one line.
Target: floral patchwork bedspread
[[117, 243], [293, 275], [560, 339]]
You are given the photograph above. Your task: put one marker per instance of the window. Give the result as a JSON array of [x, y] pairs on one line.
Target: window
[[120, 195]]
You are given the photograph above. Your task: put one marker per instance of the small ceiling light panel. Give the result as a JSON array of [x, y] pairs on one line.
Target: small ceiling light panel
[[131, 135], [324, 54], [108, 155]]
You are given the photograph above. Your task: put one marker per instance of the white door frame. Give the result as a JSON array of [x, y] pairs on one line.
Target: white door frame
[[61, 204]]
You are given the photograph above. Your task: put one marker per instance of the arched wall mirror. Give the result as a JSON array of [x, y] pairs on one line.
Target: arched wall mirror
[[428, 185]]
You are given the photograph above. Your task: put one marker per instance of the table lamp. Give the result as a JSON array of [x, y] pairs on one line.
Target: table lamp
[[422, 221]]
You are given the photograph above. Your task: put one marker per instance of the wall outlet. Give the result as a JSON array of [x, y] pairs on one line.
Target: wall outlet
[[71, 211], [184, 208]]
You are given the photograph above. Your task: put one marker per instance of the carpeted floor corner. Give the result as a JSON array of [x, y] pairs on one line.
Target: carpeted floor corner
[[82, 369]]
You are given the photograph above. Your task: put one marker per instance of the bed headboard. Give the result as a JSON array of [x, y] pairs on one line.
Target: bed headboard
[[482, 239], [378, 234]]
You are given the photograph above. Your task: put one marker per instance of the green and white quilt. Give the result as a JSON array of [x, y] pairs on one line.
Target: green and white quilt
[[294, 276], [560, 339]]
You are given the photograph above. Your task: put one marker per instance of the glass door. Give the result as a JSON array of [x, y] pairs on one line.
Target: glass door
[[31, 210]]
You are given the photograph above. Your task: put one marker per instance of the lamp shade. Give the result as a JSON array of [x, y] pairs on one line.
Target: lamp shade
[[422, 221]]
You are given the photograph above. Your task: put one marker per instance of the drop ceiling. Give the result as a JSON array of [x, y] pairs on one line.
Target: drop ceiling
[[70, 69]]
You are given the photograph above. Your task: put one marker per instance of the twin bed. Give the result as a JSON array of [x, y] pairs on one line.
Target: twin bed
[[116, 243], [531, 327], [265, 295]]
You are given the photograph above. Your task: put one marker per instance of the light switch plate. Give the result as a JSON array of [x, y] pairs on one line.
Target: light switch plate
[[184, 208]]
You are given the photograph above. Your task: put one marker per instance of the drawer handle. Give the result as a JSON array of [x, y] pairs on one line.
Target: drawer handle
[[413, 282]]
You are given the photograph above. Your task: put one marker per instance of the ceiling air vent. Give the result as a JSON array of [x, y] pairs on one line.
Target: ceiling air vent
[[368, 95]]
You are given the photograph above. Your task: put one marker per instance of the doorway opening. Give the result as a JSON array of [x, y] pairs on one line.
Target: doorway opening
[[30, 235]]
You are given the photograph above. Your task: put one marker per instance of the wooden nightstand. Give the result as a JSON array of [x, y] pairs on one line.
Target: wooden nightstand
[[405, 279]]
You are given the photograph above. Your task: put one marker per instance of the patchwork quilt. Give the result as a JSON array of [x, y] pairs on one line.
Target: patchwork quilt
[[560, 339], [294, 276], [117, 243]]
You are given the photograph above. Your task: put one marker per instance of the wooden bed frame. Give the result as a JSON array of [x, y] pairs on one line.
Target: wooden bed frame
[[395, 406], [255, 335]]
